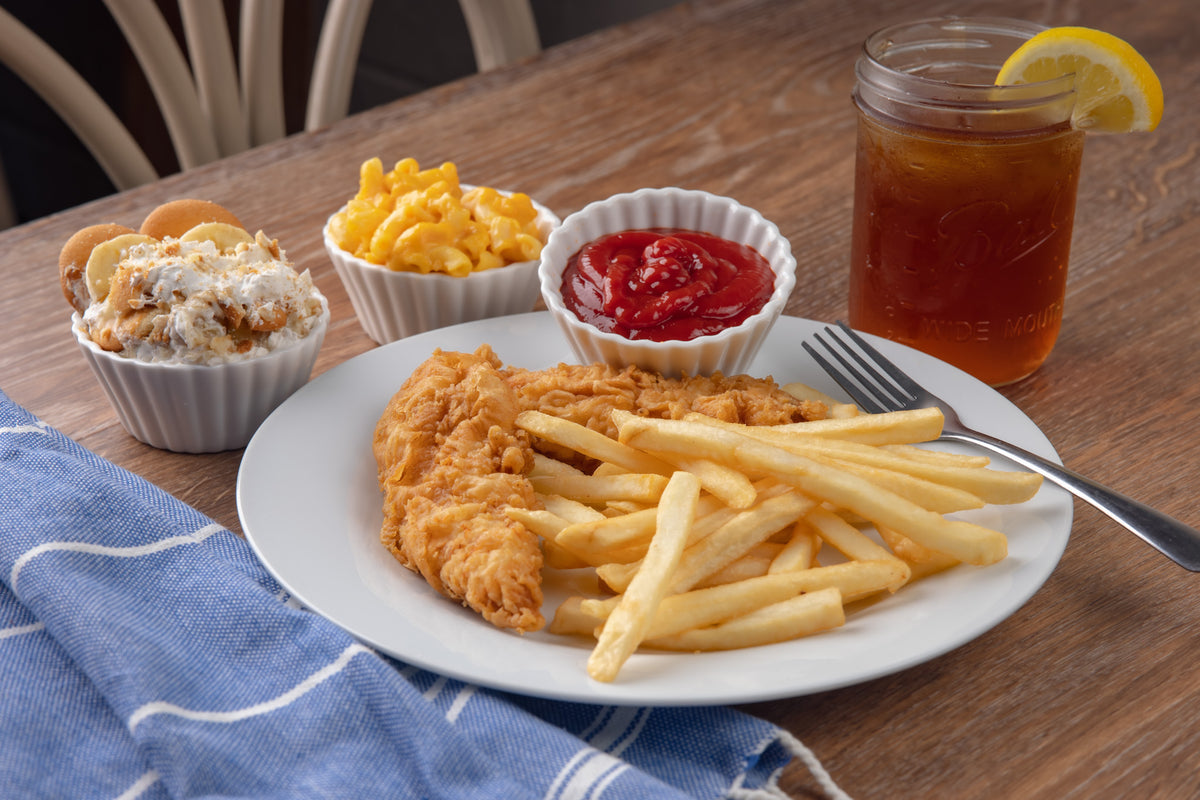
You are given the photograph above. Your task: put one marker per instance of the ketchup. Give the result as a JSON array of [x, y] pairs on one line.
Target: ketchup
[[666, 284]]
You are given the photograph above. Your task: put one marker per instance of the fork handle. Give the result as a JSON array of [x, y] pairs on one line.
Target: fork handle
[[1177, 541]]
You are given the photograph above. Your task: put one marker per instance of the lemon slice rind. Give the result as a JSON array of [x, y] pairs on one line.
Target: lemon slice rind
[[1116, 89]]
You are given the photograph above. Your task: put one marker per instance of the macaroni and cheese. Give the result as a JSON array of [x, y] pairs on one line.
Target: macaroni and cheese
[[416, 220]]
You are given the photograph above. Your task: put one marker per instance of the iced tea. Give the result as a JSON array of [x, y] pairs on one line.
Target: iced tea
[[964, 204]]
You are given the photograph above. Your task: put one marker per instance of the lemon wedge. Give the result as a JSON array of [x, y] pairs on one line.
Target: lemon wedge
[[1116, 90]]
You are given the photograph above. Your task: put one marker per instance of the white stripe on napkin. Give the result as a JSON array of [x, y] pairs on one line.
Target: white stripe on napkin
[[302, 688], [104, 550], [460, 702], [620, 730], [435, 688], [602, 784], [20, 630], [40, 427], [566, 771], [140, 786], [591, 779], [614, 729]]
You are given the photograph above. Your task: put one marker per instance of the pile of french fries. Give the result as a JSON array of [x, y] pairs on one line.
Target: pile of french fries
[[709, 535]]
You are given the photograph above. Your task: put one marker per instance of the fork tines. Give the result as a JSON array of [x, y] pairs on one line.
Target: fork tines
[[864, 380]]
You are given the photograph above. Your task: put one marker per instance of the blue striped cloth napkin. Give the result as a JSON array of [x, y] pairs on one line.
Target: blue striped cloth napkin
[[146, 653]]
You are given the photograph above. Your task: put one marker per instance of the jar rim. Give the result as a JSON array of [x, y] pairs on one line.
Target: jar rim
[[939, 72], [945, 35]]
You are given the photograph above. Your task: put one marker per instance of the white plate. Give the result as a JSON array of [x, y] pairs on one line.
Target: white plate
[[310, 507]]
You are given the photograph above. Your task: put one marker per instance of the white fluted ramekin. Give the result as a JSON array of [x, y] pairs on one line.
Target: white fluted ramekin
[[199, 408], [391, 304], [728, 352]]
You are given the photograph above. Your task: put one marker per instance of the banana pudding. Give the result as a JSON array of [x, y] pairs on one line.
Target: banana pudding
[[195, 328]]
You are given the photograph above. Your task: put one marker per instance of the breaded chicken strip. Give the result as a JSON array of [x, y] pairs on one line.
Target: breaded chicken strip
[[451, 460]]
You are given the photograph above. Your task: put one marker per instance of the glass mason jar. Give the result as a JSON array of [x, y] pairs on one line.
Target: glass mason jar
[[964, 197]]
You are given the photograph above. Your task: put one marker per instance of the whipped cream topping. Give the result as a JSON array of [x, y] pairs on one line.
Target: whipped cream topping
[[194, 302]]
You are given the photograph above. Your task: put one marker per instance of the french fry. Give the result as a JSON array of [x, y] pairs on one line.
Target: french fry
[[590, 443], [802, 391], [844, 537], [544, 465], [800, 551], [593, 489], [544, 523], [859, 579], [803, 615], [599, 553], [754, 564], [608, 558], [700, 608], [724, 545], [893, 427], [736, 537], [966, 541], [923, 569], [708, 531], [719, 480], [547, 525], [569, 509], [570, 619], [636, 528], [930, 495], [937, 456], [626, 627], [611, 533], [922, 561], [989, 486], [557, 507], [556, 556], [620, 508]]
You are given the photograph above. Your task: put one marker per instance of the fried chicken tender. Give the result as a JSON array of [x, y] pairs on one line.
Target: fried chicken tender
[[451, 461]]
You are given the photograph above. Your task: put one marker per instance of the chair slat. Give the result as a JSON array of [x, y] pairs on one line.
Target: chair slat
[[207, 34], [336, 60], [84, 112], [170, 79]]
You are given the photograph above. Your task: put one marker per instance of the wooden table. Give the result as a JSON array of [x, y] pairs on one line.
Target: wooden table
[[1089, 690]]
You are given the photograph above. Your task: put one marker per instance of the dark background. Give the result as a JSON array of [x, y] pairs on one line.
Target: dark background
[[409, 45]]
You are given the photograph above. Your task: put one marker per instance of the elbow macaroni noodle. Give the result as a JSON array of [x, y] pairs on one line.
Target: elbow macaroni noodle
[[417, 220]]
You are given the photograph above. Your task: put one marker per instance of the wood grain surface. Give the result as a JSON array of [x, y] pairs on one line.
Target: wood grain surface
[[1090, 690]]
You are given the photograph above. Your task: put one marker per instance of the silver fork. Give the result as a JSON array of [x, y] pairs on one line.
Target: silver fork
[[877, 385]]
